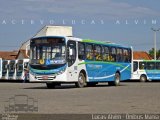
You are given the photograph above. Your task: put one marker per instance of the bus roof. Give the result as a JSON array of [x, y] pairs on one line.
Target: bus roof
[[147, 60], [84, 40], [102, 42]]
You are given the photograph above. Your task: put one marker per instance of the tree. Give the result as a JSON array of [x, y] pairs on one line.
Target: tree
[[151, 53]]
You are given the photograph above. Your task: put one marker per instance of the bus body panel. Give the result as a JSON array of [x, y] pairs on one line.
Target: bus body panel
[[5, 70], [12, 70], [47, 77], [95, 71], [151, 74], [22, 69], [105, 71], [0, 67]]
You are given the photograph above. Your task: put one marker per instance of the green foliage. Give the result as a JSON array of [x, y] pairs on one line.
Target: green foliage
[[151, 53]]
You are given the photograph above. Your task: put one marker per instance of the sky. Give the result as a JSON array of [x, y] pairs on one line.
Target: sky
[[123, 22]]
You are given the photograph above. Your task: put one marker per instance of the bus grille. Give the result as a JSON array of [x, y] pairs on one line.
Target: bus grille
[[45, 77]]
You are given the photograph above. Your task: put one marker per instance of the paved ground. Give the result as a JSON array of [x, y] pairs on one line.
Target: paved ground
[[130, 97]]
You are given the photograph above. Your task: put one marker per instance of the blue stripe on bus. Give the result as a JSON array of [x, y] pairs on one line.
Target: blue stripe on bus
[[105, 71], [45, 72], [153, 74]]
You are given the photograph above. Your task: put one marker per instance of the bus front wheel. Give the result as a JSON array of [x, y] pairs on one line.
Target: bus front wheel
[[81, 80], [143, 78], [116, 81]]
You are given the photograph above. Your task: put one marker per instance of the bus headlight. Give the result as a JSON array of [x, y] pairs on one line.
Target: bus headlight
[[60, 72]]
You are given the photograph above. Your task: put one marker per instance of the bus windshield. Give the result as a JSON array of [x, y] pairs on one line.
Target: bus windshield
[[20, 66], [4, 67], [48, 51], [12, 66]]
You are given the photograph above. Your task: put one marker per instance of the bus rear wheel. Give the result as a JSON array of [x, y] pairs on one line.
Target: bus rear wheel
[[116, 81], [143, 78], [81, 80]]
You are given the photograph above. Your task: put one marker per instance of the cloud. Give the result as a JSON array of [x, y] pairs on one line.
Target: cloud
[[85, 8]]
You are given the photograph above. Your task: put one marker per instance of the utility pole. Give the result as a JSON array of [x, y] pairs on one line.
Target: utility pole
[[155, 44]]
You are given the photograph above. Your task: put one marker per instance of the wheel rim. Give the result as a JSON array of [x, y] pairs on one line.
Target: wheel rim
[[143, 78], [117, 78], [81, 79]]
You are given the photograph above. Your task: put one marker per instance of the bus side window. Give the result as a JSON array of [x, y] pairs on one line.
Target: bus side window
[[129, 55], [158, 65], [81, 51], [126, 55], [119, 55], [142, 65], [113, 54], [89, 52], [151, 65], [135, 66], [105, 54], [71, 46], [97, 53]]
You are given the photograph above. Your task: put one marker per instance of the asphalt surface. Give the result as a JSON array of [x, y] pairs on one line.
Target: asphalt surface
[[129, 97]]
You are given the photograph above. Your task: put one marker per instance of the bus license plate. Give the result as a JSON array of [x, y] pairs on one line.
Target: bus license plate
[[45, 77]]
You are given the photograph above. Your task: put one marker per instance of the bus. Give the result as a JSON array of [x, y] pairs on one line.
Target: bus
[[22, 69], [0, 67], [5, 70], [12, 70], [146, 70], [58, 59]]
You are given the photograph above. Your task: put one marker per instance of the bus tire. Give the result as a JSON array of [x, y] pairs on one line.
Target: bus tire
[[116, 81], [143, 78], [81, 80]]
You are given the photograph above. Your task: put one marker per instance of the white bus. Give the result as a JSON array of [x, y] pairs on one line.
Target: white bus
[[1, 67], [12, 70], [22, 69], [5, 69], [144, 70], [58, 59]]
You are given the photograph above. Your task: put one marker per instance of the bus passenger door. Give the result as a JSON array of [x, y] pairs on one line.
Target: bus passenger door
[[71, 59], [135, 74]]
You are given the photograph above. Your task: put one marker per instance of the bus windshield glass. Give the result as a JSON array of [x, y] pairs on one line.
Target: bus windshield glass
[[20, 66], [48, 51], [4, 67], [12, 66]]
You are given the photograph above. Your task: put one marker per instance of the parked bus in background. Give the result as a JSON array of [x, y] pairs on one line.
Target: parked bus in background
[[5, 69], [22, 69], [0, 67], [144, 70], [58, 59], [12, 70]]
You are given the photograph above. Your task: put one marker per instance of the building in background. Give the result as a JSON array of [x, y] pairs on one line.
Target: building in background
[[8, 55], [141, 55]]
